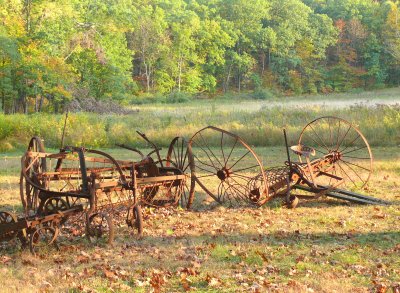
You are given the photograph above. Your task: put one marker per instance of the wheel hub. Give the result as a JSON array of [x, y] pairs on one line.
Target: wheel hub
[[336, 156], [223, 174]]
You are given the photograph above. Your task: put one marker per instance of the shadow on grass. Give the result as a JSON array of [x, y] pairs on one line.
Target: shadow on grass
[[376, 239], [279, 202]]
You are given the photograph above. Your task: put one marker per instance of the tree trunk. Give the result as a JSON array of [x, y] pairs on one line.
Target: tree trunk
[[269, 58], [180, 73], [3, 100], [239, 81], [228, 76], [40, 104], [147, 74], [263, 58]]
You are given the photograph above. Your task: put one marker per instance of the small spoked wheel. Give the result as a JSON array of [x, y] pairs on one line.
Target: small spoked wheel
[[99, 228], [345, 156], [135, 219], [54, 205], [43, 236], [178, 156], [226, 168], [7, 218]]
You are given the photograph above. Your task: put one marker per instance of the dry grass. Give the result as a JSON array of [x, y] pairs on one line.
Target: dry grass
[[321, 246]]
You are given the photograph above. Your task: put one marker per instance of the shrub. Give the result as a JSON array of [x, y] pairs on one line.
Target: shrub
[[263, 94], [178, 97]]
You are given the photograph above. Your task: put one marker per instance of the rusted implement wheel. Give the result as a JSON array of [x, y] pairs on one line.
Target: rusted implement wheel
[[5, 219], [43, 236], [34, 166], [178, 156], [227, 168], [135, 219], [99, 227], [344, 146], [54, 205]]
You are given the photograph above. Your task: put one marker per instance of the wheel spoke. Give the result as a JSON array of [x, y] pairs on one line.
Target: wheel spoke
[[330, 132], [362, 180], [239, 191], [222, 149], [181, 159], [337, 135], [239, 159], [201, 162], [341, 141], [358, 158], [246, 168], [316, 149], [351, 143], [205, 170], [343, 171], [347, 162], [230, 153], [210, 150], [241, 176], [184, 160], [202, 176], [212, 162], [325, 147]]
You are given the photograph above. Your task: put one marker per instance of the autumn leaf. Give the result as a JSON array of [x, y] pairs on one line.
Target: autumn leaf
[[185, 282], [109, 274], [157, 280], [5, 259], [212, 282]]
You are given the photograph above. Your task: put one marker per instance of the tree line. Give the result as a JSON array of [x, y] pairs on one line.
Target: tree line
[[52, 51]]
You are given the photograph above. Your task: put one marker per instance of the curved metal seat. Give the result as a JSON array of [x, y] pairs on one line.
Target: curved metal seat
[[303, 150]]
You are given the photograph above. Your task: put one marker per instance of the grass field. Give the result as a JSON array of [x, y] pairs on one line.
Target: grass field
[[323, 245], [260, 123]]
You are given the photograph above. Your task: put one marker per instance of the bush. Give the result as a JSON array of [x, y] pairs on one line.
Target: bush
[[147, 99], [178, 97], [263, 94]]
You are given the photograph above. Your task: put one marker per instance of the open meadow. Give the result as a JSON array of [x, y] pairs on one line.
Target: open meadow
[[323, 245]]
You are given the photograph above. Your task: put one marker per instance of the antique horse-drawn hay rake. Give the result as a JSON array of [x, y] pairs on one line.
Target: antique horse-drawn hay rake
[[92, 186], [333, 155]]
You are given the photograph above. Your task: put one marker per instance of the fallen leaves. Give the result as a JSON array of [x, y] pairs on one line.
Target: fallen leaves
[[185, 282], [212, 281], [4, 259], [157, 280]]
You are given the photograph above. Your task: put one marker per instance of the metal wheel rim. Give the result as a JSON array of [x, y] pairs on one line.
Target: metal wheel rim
[[230, 192], [339, 143], [183, 160]]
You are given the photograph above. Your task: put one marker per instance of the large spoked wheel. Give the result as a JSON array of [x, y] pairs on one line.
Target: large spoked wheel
[[344, 146], [226, 168], [99, 228], [179, 157], [34, 165]]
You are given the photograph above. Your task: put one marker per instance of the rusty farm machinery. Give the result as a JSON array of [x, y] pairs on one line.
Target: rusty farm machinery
[[90, 186], [93, 188], [334, 158]]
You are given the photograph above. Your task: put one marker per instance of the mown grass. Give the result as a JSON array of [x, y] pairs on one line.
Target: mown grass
[[323, 245]]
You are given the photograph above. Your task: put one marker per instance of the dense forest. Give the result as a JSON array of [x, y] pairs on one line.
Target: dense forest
[[54, 51]]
